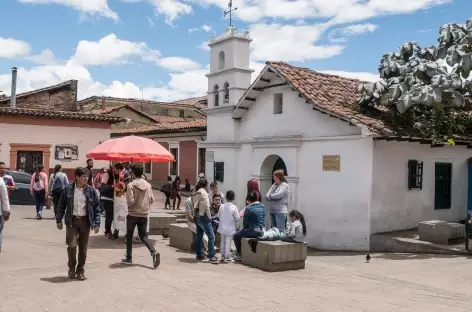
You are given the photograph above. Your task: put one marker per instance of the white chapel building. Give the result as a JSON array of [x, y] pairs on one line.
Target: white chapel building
[[349, 174]]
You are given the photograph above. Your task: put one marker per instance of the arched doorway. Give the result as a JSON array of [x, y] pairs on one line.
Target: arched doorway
[[279, 165], [270, 164]]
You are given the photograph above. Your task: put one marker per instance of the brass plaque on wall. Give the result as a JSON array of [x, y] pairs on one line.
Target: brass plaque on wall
[[331, 163]]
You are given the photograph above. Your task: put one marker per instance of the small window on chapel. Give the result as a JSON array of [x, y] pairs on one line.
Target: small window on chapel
[[278, 103]]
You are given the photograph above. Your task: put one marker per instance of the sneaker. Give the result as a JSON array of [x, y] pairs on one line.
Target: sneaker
[[229, 260], [213, 260], [37, 216], [222, 260], [115, 235], [200, 258], [238, 257], [71, 274], [156, 259], [81, 277], [127, 261]]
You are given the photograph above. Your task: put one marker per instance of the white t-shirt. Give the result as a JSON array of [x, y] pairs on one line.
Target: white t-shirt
[[229, 219]]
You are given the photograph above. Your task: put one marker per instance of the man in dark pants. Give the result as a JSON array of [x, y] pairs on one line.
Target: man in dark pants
[[79, 206], [139, 198]]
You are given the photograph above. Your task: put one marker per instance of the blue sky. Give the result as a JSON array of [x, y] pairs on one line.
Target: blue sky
[[150, 51]]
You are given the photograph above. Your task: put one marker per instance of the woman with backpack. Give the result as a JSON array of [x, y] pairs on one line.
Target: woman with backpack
[[38, 187], [57, 183]]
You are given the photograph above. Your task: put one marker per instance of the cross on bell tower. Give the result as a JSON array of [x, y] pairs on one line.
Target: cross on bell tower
[[230, 11]]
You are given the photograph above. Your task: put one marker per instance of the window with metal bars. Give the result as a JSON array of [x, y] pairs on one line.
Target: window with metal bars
[[442, 185], [219, 172], [415, 174]]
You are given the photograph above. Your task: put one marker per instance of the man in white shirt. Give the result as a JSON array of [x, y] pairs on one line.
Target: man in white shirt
[[79, 206]]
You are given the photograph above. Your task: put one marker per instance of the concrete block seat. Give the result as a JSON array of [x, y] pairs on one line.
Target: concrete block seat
[[440, 232], [181, 237], [274, 256], [160, 221]]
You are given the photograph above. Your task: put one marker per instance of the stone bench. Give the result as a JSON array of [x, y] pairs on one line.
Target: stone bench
[[159, 222], [181, 237], [440, 232], [275, 256]]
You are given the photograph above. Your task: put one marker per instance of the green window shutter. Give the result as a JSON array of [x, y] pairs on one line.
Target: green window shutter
[[443, 186], [415, 174], [219, 171]]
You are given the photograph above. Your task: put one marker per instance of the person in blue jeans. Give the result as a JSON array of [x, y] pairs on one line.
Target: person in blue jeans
[[277, 198], [202, 217], [253, 223], [4, 208]]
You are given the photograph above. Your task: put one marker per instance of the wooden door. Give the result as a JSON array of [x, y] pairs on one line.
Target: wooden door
[[28, 161]]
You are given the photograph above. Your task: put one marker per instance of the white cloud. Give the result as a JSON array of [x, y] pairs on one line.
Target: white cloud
[[340, 35], [111, 50], [177, 64], [207, 28], [363, 76], [150, 21], [46, 57], [289, 43], [170, 9], [11, 48], [204, 46], [90, 7], [359, 29]]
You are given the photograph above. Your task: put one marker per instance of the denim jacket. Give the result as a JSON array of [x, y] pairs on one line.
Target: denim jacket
[[66, 205], [254, 216]]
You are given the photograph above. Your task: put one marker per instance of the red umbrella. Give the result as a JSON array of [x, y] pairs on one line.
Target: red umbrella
[[131, 148]]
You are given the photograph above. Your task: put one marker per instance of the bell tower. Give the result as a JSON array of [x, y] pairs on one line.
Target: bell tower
[[230, 75]]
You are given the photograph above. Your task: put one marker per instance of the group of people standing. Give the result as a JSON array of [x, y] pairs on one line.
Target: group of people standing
[[171, 190], [211, 212]]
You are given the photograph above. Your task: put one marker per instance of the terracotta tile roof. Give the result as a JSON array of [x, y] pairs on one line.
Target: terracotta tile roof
[[112, 109], [118, 99], [182, 126], [199, 102], [166, 119], [69, 83], [107, 110], [60, 115], [329, 94]]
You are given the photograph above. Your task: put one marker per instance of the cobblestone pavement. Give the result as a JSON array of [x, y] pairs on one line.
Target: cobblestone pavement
[[33, 278]]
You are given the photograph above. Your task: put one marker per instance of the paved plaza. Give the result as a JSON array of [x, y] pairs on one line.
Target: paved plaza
[[33, 277]]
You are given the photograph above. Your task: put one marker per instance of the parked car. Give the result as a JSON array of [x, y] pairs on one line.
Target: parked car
[[22, 195]]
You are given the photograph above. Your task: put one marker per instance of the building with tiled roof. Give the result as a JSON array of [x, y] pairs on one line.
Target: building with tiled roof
[[351, 175], [46, 129]]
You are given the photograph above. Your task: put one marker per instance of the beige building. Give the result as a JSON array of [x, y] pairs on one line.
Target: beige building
[[46, 129]]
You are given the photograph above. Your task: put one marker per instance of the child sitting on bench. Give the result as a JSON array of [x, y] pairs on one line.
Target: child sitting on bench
[[294, 233]]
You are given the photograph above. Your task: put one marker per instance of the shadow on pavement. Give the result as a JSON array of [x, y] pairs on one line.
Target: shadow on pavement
[[99, 242], [122, 266], [415, 256], [188, 260], [34, 218], [56, 279]]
